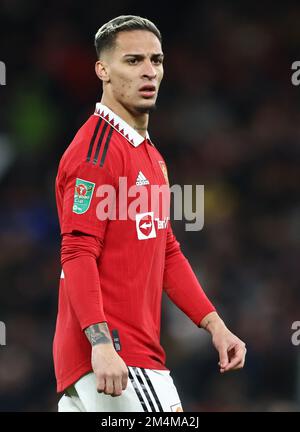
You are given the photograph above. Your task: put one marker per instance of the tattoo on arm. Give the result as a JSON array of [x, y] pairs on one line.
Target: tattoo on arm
[[98, 334]]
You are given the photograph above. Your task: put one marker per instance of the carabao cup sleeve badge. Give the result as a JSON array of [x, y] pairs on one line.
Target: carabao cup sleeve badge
[[82, 195]]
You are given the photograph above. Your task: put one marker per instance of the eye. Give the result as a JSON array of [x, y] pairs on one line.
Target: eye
[[132, 61], [157, 61]]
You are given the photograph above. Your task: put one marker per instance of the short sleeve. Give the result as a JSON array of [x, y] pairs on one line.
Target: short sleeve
[[82, 206]]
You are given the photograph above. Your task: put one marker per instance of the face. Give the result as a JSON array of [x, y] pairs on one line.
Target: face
[[134, 70]]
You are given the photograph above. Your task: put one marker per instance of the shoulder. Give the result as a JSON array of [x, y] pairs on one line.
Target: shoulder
[[96, 144]]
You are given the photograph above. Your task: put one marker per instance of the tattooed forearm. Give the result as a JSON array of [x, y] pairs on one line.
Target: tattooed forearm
[[98, 334]]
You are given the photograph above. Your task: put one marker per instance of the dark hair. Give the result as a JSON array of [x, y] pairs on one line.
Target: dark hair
[[106, 35]]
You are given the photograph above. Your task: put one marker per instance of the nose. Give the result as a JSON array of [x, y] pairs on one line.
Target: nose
[[149, 70]]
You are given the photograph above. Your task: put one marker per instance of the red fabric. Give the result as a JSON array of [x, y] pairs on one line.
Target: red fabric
[[78, 257], [113, 273]]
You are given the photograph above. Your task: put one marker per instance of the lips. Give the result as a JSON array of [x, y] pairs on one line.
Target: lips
[[148, 90], [148, 87]]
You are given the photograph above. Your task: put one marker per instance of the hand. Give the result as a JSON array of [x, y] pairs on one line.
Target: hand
[[110, 370], [231, 349]]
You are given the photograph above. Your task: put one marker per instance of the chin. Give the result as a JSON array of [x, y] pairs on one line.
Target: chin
[[147, 108]]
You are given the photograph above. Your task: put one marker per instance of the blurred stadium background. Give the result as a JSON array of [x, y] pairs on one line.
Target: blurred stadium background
[[229, 118]]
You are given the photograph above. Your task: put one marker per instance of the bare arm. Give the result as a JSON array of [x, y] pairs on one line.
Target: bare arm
[[110, 369], [98, 334], [231, 349]]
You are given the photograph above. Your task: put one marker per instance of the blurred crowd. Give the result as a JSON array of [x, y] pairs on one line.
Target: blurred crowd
[[228, 118]]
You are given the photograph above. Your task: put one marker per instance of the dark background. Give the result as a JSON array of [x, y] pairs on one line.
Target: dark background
[[228, 118]]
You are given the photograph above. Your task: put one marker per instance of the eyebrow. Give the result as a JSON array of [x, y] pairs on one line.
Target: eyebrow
[[141, 56]]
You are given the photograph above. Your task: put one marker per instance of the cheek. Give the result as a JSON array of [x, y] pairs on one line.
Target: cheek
[[125, 86], [161, 74]]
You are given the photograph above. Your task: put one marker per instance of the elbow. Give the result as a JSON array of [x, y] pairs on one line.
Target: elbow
[[78, 245]]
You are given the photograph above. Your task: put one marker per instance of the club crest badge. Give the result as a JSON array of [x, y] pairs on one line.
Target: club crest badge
[[164, 170]]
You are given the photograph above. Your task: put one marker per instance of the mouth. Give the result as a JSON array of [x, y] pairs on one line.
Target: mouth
[[148, 90]]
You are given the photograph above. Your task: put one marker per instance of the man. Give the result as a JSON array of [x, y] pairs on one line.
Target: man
[[107, 352]]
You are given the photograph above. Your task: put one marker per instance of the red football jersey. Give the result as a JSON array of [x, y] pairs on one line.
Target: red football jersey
[[104, 188]]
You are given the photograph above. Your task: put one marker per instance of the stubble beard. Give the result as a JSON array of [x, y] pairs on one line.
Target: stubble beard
[[146, 110]]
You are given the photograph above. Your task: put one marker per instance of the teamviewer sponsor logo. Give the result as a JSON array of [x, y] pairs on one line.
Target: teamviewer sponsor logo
[[145, 226]]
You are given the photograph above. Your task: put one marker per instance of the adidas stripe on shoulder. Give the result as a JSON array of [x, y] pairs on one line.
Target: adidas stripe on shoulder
[[99, 141]]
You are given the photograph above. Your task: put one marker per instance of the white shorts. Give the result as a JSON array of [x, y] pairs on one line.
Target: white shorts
[[147, 391]]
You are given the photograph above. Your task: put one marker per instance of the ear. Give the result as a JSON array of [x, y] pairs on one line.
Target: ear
[[101, 69]]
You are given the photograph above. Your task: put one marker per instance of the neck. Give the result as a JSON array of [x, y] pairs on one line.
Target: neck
[[138, 121]]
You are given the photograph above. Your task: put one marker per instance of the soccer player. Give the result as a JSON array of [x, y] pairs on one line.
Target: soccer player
[[117, 257]]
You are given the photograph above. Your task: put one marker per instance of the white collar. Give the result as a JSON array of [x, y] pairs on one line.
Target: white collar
[[120, 125]]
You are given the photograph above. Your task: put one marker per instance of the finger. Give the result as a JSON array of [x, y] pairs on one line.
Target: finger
[[241, 364], [124, 380], [229, 367], [232, 364], [109, 386], [100, 384], [237, 358], [223, 355], [117, 387]]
